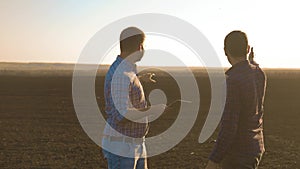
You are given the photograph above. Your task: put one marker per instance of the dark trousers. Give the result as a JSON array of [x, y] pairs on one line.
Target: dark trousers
[[241, 161]]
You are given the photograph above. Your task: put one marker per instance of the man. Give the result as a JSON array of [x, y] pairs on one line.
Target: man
[[240, 143], [126, 107]]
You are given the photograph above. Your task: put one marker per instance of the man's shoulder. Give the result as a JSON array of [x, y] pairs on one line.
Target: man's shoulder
[[240, 75], [233, 79], [256, 68], [113, 68]]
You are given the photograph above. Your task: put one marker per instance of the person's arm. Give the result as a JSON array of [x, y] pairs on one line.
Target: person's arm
[[229, 122], [120, 94]]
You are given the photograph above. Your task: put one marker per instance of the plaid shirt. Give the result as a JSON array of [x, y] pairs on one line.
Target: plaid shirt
[[241, 129], [123, 90]]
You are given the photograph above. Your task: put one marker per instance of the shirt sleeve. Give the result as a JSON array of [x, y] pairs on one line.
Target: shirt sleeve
[[229, 122], [254, 63], [120, 95]]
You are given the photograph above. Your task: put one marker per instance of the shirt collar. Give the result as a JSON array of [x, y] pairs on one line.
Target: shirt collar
[[126, 63], [237, 67]]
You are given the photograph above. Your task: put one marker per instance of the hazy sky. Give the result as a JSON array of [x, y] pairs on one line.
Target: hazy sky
[[57, 30]]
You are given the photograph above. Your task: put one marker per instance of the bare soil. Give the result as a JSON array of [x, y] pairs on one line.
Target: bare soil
[[39, 127]]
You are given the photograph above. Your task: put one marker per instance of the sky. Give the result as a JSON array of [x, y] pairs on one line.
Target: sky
[[58, 30]]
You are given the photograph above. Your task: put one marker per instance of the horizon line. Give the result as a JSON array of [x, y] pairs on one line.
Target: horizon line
[[70, 64]]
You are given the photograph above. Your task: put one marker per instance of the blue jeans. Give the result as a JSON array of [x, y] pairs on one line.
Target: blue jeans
[[241, 161], [122, 155]]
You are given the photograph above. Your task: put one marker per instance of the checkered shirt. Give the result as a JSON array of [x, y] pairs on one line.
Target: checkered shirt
[[123, 90], [241, 129]]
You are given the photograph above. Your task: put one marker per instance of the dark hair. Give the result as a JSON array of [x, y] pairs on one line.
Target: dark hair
[[130, 39], [236, 44]]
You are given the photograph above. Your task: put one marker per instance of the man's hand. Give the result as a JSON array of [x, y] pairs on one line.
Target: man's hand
[[212, 165], [147, 77], [251, 55]]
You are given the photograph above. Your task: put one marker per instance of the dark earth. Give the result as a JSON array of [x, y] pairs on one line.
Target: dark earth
[[40, 129]]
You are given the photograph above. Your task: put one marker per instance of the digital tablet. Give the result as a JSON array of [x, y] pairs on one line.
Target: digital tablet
[[178, 101]]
